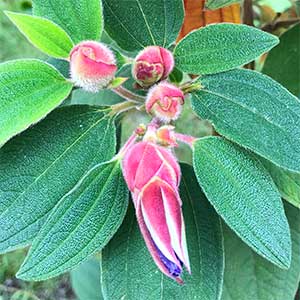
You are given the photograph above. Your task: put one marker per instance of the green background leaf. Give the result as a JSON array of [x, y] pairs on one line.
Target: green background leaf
[[282, 63], [43, 34], [44, 163], [287, 182], [82, 223], [81, 19], [140, 23], [221, 47], [244, 195], [254, 111], [249, 277], [86, 280], [29, 90], [128, 271], [62, 66], [215, 4]]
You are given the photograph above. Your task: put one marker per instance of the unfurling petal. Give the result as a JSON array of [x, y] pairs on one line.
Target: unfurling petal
[[151, 65], [165, 101], [145, 160], [153, 175]]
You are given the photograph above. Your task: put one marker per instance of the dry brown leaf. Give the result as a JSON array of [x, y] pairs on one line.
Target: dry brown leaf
[[196, 16]]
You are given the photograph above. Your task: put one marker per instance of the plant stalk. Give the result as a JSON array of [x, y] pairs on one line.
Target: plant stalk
[[128, 95]]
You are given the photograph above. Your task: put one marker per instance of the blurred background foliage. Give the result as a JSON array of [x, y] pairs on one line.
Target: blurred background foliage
[[13, 44], [275, 16]]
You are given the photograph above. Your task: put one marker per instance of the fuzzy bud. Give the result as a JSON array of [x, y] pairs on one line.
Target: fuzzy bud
[[165, 101], [152, 174], [151, 65], [166, 136], [93, 66]]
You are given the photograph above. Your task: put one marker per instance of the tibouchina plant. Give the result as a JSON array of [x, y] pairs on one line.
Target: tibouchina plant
[[65, 177]]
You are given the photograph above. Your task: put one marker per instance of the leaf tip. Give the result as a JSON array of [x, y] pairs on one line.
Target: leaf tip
[[8, 13]]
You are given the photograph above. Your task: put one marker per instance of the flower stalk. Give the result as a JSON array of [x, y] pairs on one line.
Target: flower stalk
[[128, 95]]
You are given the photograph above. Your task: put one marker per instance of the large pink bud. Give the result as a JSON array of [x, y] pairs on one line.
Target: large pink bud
[[165, 101], [93, 66], [153, 175], [151, 65]]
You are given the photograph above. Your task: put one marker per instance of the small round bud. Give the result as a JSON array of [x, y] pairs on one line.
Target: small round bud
[[151, 65], [93, 66], [165, 101], [166, 136]]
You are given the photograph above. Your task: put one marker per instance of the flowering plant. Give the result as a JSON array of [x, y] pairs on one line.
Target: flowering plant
[[67, 165]]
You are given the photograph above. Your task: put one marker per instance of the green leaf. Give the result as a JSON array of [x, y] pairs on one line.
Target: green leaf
[[249, 277], [86, 280], [215, 4], [254, 111], [61, 65], [176, 76], [128, 271], [287, 182], [221, 47], [244, 195], [81, 19], [29, 90], [282, 63], [40, 166], [82, 223], [140, 23], [43, 34]]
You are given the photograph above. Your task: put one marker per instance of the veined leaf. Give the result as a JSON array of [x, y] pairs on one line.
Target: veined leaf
[[86, 280], [128, 271], [40, 166], [29, 90], [282, 63], [249, 277], [82, 223], [221, 47], [81, 19], [254, 111], [43, 34], [287, 182], [140, 23], [244, 195], [215, 4]]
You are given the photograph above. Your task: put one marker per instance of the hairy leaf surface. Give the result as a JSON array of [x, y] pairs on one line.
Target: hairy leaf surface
[[244, 195]]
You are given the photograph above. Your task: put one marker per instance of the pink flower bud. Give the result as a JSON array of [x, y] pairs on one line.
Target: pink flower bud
[[93, 65], [165, 101], [151, 65], [166, 136], [153, 175]]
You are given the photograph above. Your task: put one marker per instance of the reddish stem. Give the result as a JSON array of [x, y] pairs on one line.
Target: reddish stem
[[187, 139]]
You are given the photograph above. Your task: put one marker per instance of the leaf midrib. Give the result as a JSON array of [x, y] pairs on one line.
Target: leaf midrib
[[79, 223], [54, 162], [37, 219], [124, 27], [246, 223]]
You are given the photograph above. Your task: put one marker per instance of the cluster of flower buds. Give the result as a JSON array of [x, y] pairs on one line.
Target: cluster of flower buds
[[93, 67], [152, 174], [150, 169]]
